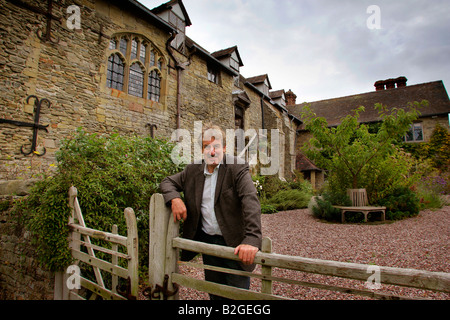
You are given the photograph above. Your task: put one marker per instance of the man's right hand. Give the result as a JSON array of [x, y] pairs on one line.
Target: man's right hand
[[179, 210]]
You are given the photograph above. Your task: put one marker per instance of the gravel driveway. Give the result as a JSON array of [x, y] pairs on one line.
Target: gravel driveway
[[418, 243]]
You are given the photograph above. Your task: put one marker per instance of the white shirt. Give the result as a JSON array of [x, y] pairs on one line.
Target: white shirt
[[209, 222]]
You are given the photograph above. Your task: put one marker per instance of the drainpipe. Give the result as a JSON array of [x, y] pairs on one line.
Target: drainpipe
[[262, 112], [178, 67]]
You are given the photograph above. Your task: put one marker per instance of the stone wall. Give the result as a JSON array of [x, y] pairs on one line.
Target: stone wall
[[72, 76], [429, 124], [21, 277]]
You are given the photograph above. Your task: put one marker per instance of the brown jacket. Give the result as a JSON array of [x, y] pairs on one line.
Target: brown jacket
[[236, 204]]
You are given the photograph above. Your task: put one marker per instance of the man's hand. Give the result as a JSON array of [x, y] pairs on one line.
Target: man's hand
[[179, 210], [246, 253]]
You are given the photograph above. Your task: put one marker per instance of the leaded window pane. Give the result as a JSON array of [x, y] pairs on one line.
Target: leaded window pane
[[114, 77], [142, 53], [134, 49], [123, 46], [136, 81], [154, 86], [152, 58]]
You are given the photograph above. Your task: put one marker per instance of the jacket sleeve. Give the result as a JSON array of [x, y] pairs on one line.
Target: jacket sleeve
[[172, 186], [251, 207]]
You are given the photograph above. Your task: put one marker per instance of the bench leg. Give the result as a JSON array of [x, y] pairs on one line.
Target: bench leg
[[365, 215]]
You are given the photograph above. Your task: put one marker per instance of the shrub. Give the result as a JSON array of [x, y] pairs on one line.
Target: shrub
[[276, 194], [324, 209], [290, 200], [272, 185], [401, 203], [111, 173], [267, 208]]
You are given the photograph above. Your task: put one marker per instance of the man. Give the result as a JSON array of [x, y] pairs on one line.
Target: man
[[221, 207]]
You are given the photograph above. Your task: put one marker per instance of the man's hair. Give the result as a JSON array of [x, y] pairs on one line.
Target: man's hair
[[210, 131]]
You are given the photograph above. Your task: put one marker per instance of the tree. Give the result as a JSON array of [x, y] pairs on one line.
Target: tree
[[346, 150]]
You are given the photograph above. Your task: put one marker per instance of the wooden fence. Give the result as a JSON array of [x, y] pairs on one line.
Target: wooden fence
[[164, 276], [67, 285]]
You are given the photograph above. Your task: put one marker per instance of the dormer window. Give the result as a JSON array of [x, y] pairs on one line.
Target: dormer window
[[229, 57], [234, 64], [261, 83], [176, 15], [178, 42], [177, 22]]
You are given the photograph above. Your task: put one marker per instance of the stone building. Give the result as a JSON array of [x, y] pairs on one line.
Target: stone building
[[118, 66], [393, 93], [109, 66]]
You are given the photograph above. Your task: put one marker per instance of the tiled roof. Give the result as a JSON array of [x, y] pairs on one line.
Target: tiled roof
[[336, 109], [276, 94], [304, 164]]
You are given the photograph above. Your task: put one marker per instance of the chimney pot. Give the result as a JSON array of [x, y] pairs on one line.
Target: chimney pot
[[379, 85], [390, 84], [401, 82]]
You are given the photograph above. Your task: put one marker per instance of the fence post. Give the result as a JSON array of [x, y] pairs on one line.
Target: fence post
[[159, 222], [133, 250], [266, 285], [171, 263], [114, 260]]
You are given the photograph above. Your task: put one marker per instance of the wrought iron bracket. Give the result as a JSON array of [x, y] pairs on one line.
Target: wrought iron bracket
[[125, 290], [152, 127], [44, 36], [36, 126]]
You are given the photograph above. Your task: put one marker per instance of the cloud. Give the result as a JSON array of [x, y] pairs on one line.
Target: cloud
[[323, 48]]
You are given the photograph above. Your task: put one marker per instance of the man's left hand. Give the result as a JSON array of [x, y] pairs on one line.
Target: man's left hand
[[246, 253]]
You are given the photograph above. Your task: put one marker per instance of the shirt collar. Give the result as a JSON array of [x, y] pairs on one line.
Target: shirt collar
[[206, 172]]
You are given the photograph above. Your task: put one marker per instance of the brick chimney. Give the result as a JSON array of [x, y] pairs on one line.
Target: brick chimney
[[390, 84], [290, 98]]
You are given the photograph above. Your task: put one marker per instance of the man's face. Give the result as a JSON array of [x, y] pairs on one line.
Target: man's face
[[213, 151]]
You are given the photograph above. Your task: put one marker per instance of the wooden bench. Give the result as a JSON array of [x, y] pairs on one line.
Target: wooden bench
[[359, 201], [364, 210]]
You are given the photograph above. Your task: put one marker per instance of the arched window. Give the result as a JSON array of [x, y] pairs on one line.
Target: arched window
[[154, 86], [115, 73], [135, 66]]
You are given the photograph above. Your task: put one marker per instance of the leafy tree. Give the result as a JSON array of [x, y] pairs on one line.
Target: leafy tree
[[350, 148]]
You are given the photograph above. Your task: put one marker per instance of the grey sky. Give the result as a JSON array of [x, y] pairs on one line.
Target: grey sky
[[323, 48]]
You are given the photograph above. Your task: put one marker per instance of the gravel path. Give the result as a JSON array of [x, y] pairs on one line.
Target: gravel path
[[418, 243]]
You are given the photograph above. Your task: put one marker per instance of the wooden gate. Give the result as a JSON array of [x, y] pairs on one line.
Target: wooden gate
[[68, 285], [164, 278]]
